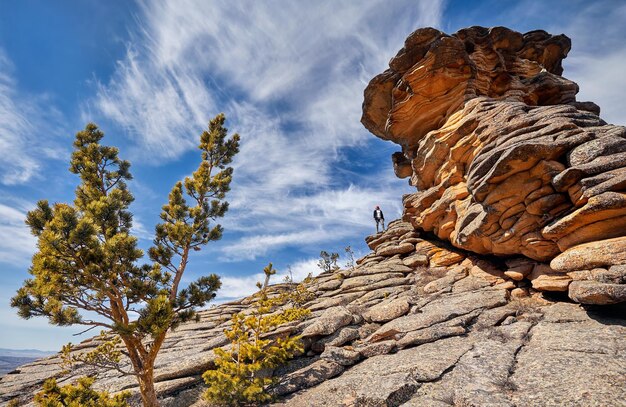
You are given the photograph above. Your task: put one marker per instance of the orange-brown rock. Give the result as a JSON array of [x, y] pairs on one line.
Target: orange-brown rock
[[543, 278], [519, 268], [505, 160], [590, 255]]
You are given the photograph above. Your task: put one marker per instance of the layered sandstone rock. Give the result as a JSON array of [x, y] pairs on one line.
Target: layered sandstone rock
[[505, 160]]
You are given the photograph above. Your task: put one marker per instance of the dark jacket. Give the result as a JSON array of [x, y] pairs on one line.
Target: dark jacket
[[381, 216]]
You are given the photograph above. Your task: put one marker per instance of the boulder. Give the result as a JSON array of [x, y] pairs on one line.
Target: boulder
[[544, 278], [593, 292], [378, 348], [519, 268], [308, 376], [488, 272], [415, 260], [393, 249], [342, 356], [369, 280], [387, 310], [590, 255], [452, 276], [329, 322], [442, 309], [505, 160], [342, 336]]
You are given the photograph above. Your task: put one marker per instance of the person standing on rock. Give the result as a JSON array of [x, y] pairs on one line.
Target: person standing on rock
[[379, 218]]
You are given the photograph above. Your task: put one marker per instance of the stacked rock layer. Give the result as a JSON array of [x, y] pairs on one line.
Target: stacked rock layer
[[505, 160]]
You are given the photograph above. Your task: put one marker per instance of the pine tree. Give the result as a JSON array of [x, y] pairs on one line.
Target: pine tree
[[243, 371], [87, 259]]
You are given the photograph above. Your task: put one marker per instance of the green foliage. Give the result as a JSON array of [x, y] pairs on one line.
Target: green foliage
[[243, 370], [328, 262], [106, 355], [78, 395], [87, 260]]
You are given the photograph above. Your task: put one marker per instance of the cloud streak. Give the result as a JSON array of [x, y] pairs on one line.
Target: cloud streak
[[22, 120], [598, 52], [17, 244], [238, 287], [598, 57], [290, 78]]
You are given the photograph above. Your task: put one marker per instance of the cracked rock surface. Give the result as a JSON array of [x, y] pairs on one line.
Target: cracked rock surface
[[420, 335]]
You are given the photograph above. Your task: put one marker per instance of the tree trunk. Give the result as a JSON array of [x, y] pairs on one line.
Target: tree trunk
[[146, 386]]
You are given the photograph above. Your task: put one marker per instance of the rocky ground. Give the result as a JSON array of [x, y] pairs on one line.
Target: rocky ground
[[429, 326]]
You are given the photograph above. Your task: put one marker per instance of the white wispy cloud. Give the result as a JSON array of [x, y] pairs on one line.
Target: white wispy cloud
[[331, 215], [290, 78], [241, 286], [598, 56], [140, 230], [28, 125], [17, 244], [163, 108]]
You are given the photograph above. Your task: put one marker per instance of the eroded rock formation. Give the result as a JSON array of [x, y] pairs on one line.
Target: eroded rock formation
[[505, 160]]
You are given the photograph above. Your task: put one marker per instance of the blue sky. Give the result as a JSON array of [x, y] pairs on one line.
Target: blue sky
[[288, 75]]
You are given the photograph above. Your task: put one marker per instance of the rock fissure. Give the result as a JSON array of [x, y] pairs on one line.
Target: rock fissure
[[524, 341]]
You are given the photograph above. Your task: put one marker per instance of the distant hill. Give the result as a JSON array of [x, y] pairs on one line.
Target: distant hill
[[12, 358]]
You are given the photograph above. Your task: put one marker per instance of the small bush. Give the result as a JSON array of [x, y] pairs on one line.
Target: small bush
[[504, 383], [328, 262], [243, 371], [78, 395]]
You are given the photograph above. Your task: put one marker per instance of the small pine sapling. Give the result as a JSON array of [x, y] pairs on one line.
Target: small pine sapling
[[79, 394], [269, 271], [243, 370]]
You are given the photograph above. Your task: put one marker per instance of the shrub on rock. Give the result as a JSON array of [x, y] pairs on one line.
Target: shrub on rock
[[243, 373]]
